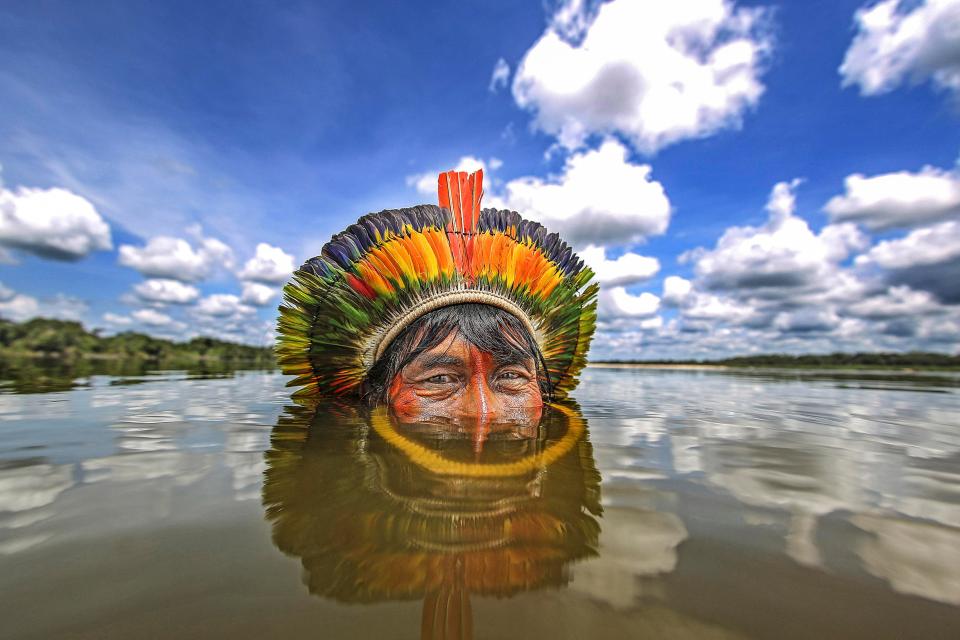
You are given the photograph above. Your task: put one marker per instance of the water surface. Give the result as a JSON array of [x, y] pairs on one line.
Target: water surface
[[665, 504]]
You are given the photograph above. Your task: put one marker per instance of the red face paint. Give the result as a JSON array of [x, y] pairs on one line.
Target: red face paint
[[457, 384]]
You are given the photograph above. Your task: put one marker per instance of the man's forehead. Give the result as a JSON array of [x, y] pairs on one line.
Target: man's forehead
[[456, 350]]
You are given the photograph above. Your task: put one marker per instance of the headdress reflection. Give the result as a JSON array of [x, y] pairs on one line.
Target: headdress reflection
[[380, 511]]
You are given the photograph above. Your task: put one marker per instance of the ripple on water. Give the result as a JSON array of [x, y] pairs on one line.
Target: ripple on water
[[729, 504]]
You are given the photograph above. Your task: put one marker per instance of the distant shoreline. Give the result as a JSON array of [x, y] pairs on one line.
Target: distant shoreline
[[861, 361], [68, 341], [825, 368], [653, 365]]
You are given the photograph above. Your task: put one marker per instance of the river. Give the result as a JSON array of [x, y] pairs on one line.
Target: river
[[659, 504]]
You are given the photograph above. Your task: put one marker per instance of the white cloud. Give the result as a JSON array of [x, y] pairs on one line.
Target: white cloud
[[617, 302], [895, 302], [426, 183], [221, 305], [19, 307], [228, 317], [153, 318], [51, 223], [899, 199], [601, 198], [500, 77], [706, 306], [783, 255], [930, 245], [271, 265], [898, 42], [176, 259], [782, 202], [117, 320], [676, 290], [241, 329], [926, 259], [656, 72], [782, 288], [166, 291], [257, 294], [64, 307], [806, 320], [630, 268]]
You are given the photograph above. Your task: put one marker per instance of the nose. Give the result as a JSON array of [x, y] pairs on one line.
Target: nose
[[480, 407]]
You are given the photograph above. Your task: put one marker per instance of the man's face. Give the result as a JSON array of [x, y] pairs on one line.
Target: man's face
[[457, 384]]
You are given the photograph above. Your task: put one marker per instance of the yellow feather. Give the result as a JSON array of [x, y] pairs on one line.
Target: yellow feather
[[426, 254]]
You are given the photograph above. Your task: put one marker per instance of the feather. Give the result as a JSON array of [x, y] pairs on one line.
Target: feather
[[377, 269]]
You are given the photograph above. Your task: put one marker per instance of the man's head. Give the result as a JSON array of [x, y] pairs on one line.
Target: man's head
[[472, 364], [401, 294]]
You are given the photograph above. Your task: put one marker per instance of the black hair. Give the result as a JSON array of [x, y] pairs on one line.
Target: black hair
[[488, 328]]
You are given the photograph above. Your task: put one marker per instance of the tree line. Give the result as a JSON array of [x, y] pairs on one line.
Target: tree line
[[64, 338]]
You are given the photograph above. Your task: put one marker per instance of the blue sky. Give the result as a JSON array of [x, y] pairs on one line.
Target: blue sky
[[164, 164]]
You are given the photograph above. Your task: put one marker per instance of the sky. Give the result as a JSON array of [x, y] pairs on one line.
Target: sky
[[743, 177]]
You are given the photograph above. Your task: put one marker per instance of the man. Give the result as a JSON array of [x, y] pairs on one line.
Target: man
[[443, 313]]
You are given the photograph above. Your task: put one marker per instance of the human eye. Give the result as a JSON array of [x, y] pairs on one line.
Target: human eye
[[440, 378], [512, 378]]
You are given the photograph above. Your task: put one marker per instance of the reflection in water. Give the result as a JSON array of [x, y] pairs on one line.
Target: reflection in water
[[45, 375], [917, 558], [734, 506], [801, 454], [376, 513]]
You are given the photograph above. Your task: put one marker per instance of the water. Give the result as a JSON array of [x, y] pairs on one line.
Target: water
[[673, 504]]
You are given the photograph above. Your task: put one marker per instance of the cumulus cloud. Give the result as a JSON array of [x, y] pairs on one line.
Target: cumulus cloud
[[426, 183], [896, 302], [220, 305], [500, 77], [229, 317], [707, 306], [899, 199], [629, 268], [617, 302], [51, 223], [256, 294], [117, 320], [779, 257], [899, 42], [175, 258], [781, 287], [153, 318], [64, 307], [655, 72], [806, 320], [930, 245], [676, 291], [926, 259], [165, 291], [600, 198], [270, 265], [19, 307], [244, 330]]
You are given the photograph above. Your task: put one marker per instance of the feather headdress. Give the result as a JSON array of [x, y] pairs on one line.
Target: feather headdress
[[343, 308]]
